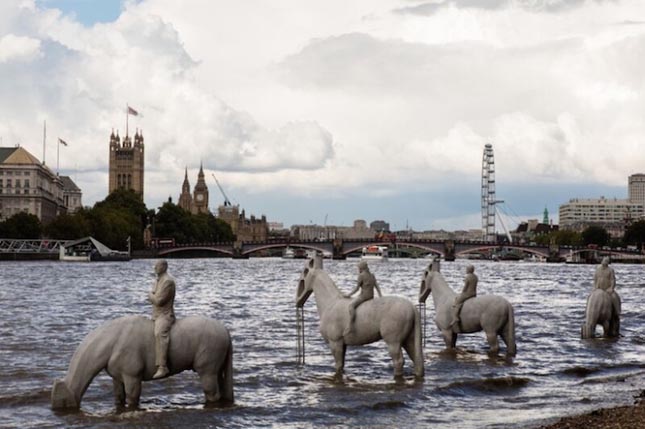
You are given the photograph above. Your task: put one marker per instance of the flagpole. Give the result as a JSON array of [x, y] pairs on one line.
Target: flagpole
[[44, 139], [57, 157], [127, 115]]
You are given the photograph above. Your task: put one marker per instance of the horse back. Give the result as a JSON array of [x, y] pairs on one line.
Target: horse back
[[191, 339], [484, 311]]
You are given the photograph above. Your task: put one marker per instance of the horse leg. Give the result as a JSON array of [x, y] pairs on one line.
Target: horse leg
[[606, 331], [338, 349], [210, 386], [119, 392], [397, 359], [491, 337], [450, 338], [132, 390]]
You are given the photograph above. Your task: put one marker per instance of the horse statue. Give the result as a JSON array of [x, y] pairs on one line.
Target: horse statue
[[602, 311], [392, 319], [125, 348], [490, 313]]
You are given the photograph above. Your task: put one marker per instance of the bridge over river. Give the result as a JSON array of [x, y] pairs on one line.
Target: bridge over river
[[446, 249]]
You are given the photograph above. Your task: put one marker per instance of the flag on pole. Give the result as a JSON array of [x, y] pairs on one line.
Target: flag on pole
[[132, 112], [61, 141]]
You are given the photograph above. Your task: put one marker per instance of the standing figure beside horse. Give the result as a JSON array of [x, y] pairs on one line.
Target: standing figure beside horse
[[394, 320], [490, 313], [603, 304]]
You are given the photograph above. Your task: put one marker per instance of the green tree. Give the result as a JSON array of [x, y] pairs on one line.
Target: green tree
[[595, 235], [635, 234], [68, 226], [120, 215], [567, 238], [21, 226], [174, 222], [113, 226]]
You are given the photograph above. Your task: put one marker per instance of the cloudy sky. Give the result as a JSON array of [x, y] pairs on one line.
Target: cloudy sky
[[306, 110]]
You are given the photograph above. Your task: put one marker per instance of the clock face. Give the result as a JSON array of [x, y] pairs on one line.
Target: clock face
[[199, 197]]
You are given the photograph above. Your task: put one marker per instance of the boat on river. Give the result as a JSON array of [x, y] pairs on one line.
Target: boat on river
[[374, 253], [90, 249]]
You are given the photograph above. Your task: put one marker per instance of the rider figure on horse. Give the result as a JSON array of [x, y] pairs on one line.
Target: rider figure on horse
[[605, 279], [366, 283], [469, 291], [162, 297]]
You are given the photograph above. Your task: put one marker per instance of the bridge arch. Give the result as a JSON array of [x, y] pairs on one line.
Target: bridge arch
[[176, 250], [357, 248], [284, 246]]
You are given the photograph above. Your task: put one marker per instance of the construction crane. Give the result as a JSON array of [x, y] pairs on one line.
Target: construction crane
[[227, 202]]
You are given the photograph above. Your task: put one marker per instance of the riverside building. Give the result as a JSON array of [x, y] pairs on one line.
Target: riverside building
[[27, 185], [612, 214], [637, 188]]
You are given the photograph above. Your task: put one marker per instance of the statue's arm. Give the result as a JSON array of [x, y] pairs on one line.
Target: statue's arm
[[378, 289], [164, 293], [612, 282], [595, 280], [356, 289]]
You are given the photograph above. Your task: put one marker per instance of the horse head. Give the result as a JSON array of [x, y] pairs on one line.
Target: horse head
[[426, 281], [304, 284]]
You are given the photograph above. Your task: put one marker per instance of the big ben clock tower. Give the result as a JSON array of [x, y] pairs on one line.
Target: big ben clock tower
[[200, 193]]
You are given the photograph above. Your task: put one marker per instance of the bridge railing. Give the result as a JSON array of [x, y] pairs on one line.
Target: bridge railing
[[30, 246]]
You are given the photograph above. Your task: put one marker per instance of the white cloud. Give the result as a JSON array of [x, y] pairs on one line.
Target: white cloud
[[18, 48], [327, 98]]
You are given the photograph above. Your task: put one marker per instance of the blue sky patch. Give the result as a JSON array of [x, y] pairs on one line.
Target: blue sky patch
[[87, 12]]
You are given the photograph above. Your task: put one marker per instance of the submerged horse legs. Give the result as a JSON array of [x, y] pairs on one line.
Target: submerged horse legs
[[211, 387], [491, 337], [132, 390], [450, 338], [119, 392], [338, 349], [397, 359]]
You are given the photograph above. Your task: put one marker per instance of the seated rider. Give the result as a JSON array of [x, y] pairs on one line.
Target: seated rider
[[366, 283], [605, 279], [162, 297], [469, 291]]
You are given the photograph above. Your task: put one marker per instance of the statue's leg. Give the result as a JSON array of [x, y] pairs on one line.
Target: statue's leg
[[397, 358], [491, 337], [119, 392], [338, 349], [210, 386], [132, 390]]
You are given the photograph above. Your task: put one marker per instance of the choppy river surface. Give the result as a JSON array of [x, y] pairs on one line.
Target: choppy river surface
[[46, 308]]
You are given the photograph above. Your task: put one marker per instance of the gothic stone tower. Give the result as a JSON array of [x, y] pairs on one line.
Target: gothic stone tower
[[126, 163], [185, 198], [200, 193]]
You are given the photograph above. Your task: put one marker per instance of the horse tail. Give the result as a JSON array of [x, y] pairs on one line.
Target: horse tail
[[226, 375], [419, 370], [509, 335]]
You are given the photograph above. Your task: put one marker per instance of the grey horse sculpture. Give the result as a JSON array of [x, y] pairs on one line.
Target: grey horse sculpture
[[601, 311], [490, 313], [395, 320], [125, 348]]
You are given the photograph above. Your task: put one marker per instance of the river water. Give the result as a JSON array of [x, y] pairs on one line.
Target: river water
[[46, 308]]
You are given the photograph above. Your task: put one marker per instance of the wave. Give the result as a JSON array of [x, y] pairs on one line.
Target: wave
[[487, 385], [27, 398]]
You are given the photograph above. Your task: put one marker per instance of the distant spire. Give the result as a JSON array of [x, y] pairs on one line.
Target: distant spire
[[545, 219]]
